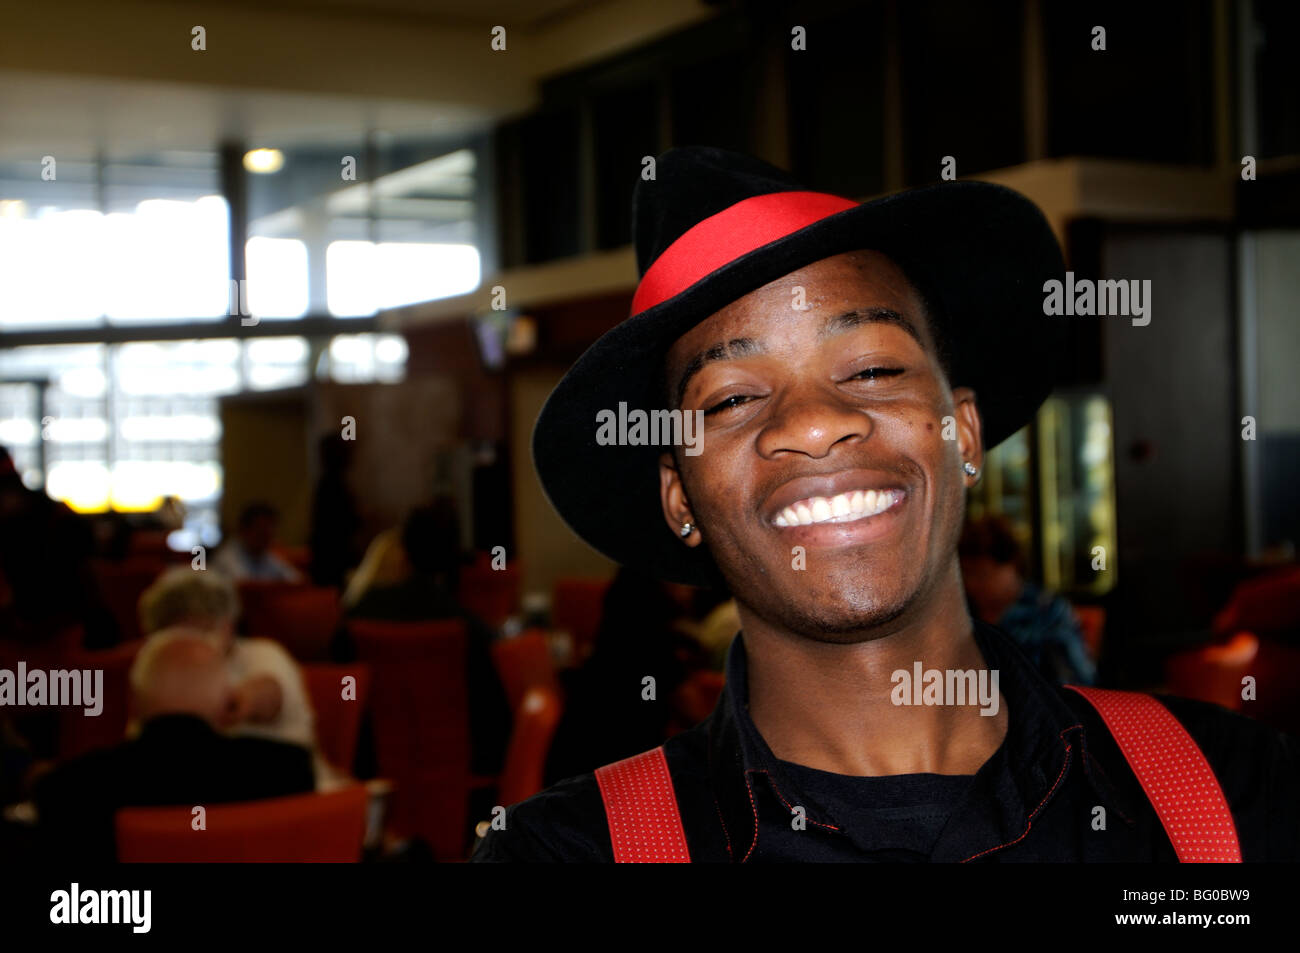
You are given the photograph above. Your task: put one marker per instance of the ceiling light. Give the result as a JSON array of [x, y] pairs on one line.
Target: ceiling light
[[264, 161]]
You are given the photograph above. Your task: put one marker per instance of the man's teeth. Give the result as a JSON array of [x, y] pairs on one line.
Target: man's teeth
[[843, 508]]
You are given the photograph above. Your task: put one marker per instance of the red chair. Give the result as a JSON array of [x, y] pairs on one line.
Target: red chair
[[338, 720], [702, 690], [306, 828], [536, 718], [121, 584], [152, 543], [491, 594], [47, 654], [695, 699], [1277, 701], [420, 716], [1092, 622], [302, 618], [576, 607], [299, 557], [533, 692], [80, 732], [1267, 604], [523, 662], [1213, 673]]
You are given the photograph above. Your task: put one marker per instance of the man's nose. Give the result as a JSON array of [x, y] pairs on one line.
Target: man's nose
[[811, 422]]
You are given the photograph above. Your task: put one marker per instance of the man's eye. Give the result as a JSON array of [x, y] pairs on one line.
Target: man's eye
[[734, 401], [871, 373]]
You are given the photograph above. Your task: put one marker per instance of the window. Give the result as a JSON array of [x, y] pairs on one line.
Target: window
[[364, 277], [277, 277], [399, 233], [112, 243], [357, 358]]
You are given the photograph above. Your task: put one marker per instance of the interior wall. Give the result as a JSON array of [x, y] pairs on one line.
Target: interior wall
[[264, 440], [407, 443], [548, 549], [1277, 288], [1173, 384]]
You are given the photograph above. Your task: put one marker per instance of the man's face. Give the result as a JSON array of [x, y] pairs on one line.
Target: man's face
[[824, 435], [258, 535]]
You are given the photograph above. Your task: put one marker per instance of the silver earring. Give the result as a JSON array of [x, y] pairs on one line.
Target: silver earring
[[686, 530], [970, 468]]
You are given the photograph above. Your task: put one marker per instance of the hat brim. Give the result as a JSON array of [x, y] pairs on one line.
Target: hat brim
[[981, 254]]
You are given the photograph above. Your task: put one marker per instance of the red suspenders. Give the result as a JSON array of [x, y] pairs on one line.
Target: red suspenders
[[1173, 772], [641, 808], [646, 827]]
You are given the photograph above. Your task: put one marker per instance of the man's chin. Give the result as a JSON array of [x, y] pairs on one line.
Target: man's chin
[[824, 617]]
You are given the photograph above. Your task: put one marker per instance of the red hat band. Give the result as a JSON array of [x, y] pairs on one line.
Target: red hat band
[[730, 234]]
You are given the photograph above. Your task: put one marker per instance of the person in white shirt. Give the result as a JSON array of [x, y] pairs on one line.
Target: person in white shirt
[[248, 556], [271, 695]]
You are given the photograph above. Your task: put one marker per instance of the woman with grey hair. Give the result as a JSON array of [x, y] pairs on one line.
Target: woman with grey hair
[[271, 694]]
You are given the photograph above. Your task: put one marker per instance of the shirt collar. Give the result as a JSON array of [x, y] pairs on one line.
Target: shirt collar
[[1044, 737]]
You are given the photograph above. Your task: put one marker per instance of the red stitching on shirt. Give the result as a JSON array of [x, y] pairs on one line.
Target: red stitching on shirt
[[764, 771], [713, 791], [753, 807], [717, 807], [1029, 822]]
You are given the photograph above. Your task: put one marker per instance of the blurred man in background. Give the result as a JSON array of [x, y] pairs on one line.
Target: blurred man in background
[[182, 696], [1043, 624], [249, 556], [271, 699], [605, 716], [335, 520]]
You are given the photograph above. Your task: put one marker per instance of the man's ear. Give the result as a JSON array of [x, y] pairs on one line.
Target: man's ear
[[970, 434], [672, 494]]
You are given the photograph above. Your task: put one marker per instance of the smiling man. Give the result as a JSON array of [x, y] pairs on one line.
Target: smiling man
[[852, 363]]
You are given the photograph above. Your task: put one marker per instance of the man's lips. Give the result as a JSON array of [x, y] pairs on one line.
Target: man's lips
[[839, 498]]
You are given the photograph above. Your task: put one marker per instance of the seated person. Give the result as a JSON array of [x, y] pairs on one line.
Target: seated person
[[384, 564], [427, 590], [605, 718], [1042, 624], [249, 556], [182, 696], [271, 699]]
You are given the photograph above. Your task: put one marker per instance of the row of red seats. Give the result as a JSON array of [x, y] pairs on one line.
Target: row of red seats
[[330, 827], [411, 677], [308, 828], [417, 699], [305, 616]]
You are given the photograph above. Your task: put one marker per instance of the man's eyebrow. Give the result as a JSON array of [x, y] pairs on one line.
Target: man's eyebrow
[[736, 347], [861, 316], [744, 347]]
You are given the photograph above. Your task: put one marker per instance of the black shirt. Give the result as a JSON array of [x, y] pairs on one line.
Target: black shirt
[[1034, 800], [892, 817]]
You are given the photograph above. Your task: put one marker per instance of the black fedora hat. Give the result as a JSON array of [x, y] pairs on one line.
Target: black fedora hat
[[711, 227]]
